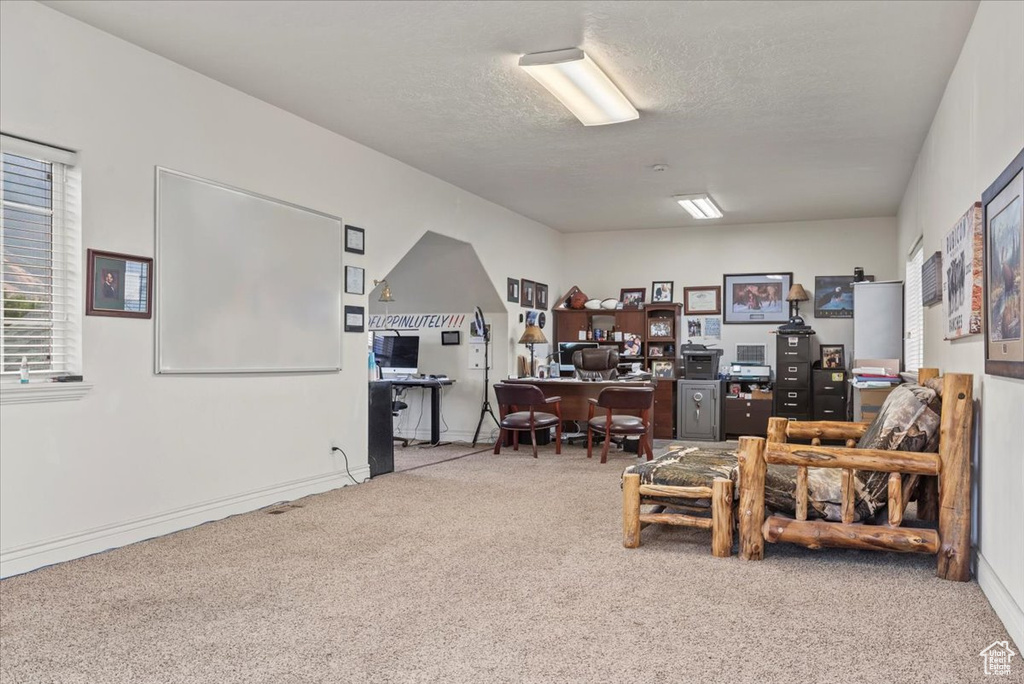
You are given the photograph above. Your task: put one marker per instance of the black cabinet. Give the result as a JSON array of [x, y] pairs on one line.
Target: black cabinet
[[792, 396], [381, 446], [830, 394]]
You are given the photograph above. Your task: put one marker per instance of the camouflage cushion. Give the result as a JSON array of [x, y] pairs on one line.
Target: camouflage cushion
[[688, 466], [907, 421]]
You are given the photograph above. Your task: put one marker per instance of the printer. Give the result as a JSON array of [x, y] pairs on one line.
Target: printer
[[699, 362], [746, 372]]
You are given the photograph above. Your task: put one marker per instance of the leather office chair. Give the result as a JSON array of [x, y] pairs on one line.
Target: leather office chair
[[517, 405], [622, 398], [596, 364]]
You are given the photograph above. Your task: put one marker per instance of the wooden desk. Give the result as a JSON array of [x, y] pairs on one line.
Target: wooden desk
[[575, 393]]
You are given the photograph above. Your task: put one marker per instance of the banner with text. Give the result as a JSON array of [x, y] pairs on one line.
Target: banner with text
[[962, 259], [416, 321]]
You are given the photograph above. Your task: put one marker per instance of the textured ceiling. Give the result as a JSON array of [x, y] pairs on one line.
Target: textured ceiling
[[782, 111]]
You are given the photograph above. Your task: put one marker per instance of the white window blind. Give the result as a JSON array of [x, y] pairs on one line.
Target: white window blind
[[40, 259], [913, 312]]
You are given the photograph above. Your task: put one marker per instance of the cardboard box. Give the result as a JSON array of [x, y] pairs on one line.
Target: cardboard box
[[868, 402]]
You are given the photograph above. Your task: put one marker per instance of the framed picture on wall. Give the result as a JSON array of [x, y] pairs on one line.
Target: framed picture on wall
[[355, 240], [540, 296], [756, 297], [512, 292], [355, 280], [1004, 272], [702, 300], [526, 293], [355, 319], [119, 285]]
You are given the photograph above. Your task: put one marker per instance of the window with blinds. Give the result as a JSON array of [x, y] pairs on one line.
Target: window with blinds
[[913, 312], [39, 268]]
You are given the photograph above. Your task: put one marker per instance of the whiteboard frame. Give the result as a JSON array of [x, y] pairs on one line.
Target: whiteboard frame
[[158, 288]]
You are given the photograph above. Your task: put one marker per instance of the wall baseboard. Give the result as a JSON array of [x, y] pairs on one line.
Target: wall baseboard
[[1002, 602], [28, 557]]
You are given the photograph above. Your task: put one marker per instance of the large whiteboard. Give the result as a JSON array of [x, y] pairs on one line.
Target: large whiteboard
[[244, 283]]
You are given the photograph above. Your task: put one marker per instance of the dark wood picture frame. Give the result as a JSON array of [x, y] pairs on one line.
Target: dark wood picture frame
[[355, 240], [833, 356], [512, 290], [778, 309], [526, 291], [540, 298], [1005, 358], [666, 289], [107, 296], [632, 297], [693, 311]]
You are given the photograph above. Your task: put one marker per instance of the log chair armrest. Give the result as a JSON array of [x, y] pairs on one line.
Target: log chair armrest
[[878, 460], [825, 429]]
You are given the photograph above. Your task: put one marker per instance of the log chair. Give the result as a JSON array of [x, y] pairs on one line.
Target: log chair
[[720, 523], [950, 468]]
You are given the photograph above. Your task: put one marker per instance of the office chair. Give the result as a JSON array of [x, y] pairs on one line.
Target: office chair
[[518, 407], [626, 399], [596, 364]]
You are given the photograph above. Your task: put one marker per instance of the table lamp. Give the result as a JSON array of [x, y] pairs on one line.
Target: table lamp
[[797, 294], [532, 336]]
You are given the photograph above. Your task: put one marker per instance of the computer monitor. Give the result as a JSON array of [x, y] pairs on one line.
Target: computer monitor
[[567, 349], [397, 356]]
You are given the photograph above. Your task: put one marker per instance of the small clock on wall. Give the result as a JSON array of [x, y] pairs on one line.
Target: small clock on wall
[[542, 319]]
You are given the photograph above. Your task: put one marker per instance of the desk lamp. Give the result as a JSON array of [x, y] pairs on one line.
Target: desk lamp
[[532, 336], [797, 294]]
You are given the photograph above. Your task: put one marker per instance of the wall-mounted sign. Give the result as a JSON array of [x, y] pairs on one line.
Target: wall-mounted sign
[[962, 253], [416, 321], [931, 280]]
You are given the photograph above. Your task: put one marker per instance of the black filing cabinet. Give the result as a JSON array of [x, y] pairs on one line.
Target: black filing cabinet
[[381, 446], [830, 392], [793, 377]]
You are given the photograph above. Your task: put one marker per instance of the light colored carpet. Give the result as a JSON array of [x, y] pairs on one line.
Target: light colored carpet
[[484, 569], [419, 455]]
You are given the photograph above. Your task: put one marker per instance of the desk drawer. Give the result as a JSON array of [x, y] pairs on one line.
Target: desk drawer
[[792, 374], [827, 407], [758, 406], [747, 424], [793, 348]]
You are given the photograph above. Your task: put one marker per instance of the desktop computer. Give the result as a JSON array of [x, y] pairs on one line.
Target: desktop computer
[[397, 356]]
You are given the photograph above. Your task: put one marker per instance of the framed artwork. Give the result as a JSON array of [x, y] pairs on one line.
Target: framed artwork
[[694, 328], [526, 293], [450, 337], [1004, 280], [702, 300], [512, 292], [931, 280], [660, 327], [540, 296], [833, 296], [833, 356], [355, 280], [119, 285], [632, 298], [962, 252], [632, 345], [355, 318], [355, 240], [756, 297], [663, 369], [661, 291]]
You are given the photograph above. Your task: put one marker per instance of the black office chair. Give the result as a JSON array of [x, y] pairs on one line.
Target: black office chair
[[596, 364]]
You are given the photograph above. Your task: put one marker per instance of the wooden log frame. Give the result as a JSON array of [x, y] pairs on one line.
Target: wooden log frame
[[635, 495], [949, 469]]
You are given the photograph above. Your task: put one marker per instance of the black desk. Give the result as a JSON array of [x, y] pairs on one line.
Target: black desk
[[434, 385]]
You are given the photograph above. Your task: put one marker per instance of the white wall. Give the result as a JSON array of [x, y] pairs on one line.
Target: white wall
[[144, 455], [977, 131], [603, 263]]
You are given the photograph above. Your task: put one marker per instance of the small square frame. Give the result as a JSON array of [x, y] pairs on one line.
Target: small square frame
[[633, 297], [355, 319], [526, 292], [512, 290], [662, 291], [833, 356], [355, 280], [355, 240]]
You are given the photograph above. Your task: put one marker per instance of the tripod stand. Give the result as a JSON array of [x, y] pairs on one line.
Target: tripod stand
[[485, 408]]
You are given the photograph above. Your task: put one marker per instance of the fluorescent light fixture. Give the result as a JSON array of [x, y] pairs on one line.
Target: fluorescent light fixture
[[699, 206], [580, 85]]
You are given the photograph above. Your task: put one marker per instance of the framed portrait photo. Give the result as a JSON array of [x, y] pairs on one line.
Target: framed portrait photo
[[512, 291], [355, 280], [355, 240], [833, 356], [702, 300], [526, 292], [1004, 278], [756, 297], [119, 285], [662, 291], [663, 369], [632, 298]]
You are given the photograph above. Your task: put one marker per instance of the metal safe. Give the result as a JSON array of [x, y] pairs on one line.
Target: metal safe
[[699, 409]]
